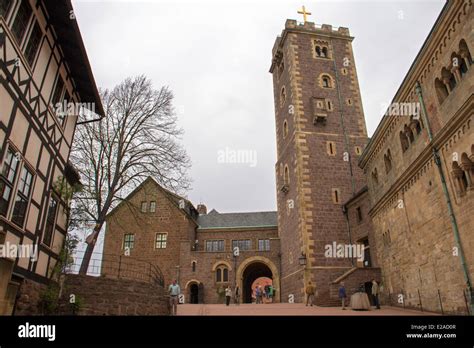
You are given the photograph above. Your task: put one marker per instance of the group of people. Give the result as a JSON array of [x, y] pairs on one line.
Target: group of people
[[310, 292], [264, 294]]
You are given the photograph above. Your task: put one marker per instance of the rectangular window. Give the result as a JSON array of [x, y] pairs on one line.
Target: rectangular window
[[50, 221], [33, 44], [7, 180], [4, 6], [128, 241], [160, 241], [152, 206], [214, 245], [63, 113], [359, 214], [144, 206], [21, 21], [22, 197], [264, 244], [58, 91], [245, 244]]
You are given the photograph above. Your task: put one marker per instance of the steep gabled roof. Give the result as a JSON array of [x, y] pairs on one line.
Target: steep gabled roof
[[189, 209]]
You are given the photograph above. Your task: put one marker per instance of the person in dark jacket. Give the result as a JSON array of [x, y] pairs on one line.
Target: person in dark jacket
[[342, 295]]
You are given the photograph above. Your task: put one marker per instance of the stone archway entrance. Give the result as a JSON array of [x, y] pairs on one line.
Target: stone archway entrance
[[252, 269], [194, 293]]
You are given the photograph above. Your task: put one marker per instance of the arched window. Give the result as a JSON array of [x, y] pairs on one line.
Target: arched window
[[285, 129], [318, 51], [286, 176], [326, 82], [441, 90], [448, 77], [324, 52], [460, 178], [282, 96], [409, 134], [404, 141], [388, 161], [222, 274], [225, 275], [193, 266], [375, 176]]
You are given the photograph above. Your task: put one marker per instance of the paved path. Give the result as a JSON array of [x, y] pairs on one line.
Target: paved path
[[285, 309]]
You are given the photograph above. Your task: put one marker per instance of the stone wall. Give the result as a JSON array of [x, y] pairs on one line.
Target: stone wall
[[28, 301], [105, 296]]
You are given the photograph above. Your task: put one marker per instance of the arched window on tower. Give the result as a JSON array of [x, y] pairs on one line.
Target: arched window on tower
[[326, 81], [285, 129], [286, 176], [324, 52], [193, 266], [318, 51]]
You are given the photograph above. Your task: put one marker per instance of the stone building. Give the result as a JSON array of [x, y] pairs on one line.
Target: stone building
[[419, 166], [396, 207], [192, 246], [42, 63], [321, 133]]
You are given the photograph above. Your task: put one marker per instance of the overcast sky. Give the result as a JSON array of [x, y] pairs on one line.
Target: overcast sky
[[215, 56]]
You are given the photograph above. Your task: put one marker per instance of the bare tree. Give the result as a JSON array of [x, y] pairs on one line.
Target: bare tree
[[137, 138]]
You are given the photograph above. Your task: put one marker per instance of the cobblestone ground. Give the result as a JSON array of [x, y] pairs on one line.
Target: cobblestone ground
[[286, 309]]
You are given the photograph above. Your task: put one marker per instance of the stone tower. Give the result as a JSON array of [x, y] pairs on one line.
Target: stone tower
[[321, 133]]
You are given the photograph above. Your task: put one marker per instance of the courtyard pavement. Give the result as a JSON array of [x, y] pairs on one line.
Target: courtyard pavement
[[287, 309]]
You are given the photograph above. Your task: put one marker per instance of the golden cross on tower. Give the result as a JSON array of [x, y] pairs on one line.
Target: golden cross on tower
[[304, 13]]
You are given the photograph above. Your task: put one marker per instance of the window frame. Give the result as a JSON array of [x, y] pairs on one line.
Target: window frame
[[130, 241], [31, 57], [50, 221], [242, 244], [152, 207], [26, 198], [19, 40], [266, 243], [163, 242], [144, 206], [218, 243]]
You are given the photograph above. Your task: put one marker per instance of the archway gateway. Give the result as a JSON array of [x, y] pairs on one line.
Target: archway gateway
[[194, 291], [252, 269]]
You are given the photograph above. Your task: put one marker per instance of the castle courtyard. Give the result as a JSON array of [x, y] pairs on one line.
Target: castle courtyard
[[288, 309]]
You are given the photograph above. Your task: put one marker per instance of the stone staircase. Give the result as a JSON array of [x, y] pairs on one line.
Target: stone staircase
[[353, 278]]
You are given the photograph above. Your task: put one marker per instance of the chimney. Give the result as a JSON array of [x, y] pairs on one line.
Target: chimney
[[202, 209]]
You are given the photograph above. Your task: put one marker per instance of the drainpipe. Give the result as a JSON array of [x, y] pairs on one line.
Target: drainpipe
[[349, 235], [452, 217]]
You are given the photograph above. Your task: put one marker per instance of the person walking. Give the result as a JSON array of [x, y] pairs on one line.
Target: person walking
[[258, 294], [270, 293], [309, 294], [342, 295], [237, 295], [228, 295], [174, 290], [375, 293]]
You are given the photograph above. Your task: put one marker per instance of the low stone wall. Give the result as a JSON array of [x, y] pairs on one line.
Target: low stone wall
[[28, 302], [108, 296]]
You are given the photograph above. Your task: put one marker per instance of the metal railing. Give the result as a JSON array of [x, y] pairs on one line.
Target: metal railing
[[118, 267]]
